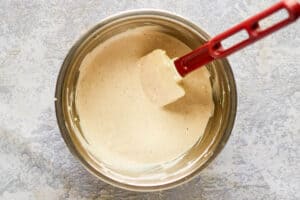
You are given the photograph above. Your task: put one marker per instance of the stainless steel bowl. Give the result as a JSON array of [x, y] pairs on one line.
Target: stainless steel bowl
[[218, 128]]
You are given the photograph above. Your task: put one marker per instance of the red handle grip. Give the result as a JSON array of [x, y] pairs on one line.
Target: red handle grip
[[253, 28], [213, 49]]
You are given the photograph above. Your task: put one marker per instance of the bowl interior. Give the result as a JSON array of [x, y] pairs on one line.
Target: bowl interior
[[187, 165]]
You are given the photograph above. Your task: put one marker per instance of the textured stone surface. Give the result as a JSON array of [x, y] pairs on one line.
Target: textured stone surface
[[260, 161]]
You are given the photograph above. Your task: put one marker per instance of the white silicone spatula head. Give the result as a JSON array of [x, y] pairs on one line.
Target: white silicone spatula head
[[159, 78]]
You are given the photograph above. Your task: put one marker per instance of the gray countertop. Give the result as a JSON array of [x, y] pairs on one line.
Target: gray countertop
[[260, 161]]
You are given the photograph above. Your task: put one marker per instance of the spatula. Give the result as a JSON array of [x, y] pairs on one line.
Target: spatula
[[164, 88]]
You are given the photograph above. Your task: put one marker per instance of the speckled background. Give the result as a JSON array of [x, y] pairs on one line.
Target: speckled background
[[260, 161]]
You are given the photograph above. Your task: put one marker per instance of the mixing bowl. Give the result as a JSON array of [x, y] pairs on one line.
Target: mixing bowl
[[184, 167]]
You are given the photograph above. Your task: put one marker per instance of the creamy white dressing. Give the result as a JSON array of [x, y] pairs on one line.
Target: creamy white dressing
[[123, 127]]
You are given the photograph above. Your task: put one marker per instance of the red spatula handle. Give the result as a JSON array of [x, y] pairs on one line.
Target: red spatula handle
[[213, 49], [253, 29]]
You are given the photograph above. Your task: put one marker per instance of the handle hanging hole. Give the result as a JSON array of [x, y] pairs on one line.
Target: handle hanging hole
[[273, 19]]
